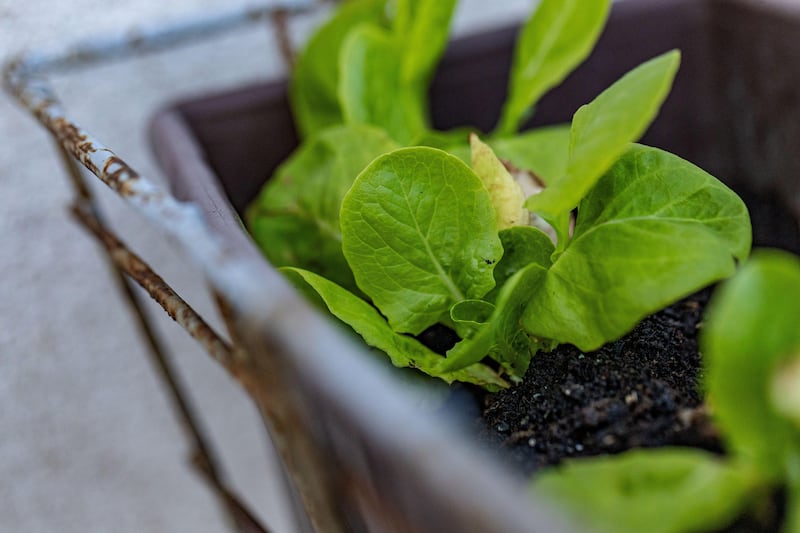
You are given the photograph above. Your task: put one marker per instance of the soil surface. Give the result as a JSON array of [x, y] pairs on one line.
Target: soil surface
[[643, 390], [640, 391]]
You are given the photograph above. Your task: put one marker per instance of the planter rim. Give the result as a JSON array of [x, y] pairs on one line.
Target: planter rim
[[425, 445], [174, 123]]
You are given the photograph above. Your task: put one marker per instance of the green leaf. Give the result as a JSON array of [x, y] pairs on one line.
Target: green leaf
[[418, 233], [791, 523], [751, 330], [455, 142], [314, 88], [403, 351], [371, 88], [473, 312], [295, 218], [423, 28], [470, 350], [667, 490], [522, 245], [603, 130], [505, 192], [655, 228], [543, 151], [469, 315], [502, 336], [514, 347], [552, 43]]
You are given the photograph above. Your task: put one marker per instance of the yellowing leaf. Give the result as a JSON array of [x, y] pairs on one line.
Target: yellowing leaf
[[506, 194]]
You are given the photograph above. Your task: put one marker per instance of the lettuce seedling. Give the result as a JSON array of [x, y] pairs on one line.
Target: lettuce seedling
[[558, 38], [314, 88], [751, 349], [295, 219], [398, 228]]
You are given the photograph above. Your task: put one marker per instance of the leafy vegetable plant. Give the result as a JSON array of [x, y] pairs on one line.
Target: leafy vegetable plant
[[751, 346], [397, 227]]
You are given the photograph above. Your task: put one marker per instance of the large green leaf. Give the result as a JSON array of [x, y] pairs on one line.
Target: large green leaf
[[543, 151], [603, 130], [668, 490], [314, 89], [404, 351], [753, 326], [552, 43], [423, 27], [654, 229], [371, 88], [418, 232], [295, 219]]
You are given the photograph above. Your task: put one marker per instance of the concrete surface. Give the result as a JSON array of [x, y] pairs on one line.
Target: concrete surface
[[87, 439]]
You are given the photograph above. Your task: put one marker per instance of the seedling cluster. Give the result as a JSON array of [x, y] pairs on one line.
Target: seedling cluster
[[521, 241], [396, 227]]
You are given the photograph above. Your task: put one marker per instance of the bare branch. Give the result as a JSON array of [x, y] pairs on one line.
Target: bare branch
[[280, 25], [159, 290]]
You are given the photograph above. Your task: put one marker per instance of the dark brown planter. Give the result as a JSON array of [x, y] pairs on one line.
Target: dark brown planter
[[734, 110]]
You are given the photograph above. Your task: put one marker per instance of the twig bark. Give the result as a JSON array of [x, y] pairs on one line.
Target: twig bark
[[203, 457], [280, 25]]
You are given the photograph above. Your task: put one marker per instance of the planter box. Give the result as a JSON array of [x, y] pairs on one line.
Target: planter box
[[734, 110]]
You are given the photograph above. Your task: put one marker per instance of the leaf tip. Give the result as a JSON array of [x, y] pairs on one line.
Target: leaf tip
[[672, 59]]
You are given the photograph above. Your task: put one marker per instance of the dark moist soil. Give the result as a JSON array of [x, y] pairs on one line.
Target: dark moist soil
[[640, 391]]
